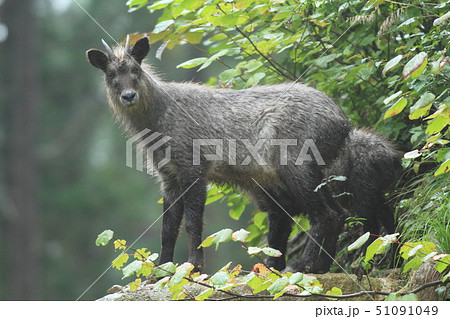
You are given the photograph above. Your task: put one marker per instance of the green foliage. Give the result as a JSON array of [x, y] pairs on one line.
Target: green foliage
[[413, 253], [427, 216], [178, 277]]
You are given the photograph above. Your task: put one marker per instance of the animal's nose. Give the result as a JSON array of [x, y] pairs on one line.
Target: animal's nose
[[129, 97]]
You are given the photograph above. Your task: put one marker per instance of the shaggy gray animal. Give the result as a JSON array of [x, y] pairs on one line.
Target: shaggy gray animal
[[264, 131], [371, 165]]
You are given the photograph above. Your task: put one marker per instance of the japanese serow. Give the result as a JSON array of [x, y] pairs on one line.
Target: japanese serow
[[263, 130]]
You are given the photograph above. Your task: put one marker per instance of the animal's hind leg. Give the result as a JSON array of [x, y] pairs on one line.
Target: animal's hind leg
[[320, 249], [324, 215], [280, 223]]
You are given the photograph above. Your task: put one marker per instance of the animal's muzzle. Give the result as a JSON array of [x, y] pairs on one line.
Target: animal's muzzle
[[129, 97]]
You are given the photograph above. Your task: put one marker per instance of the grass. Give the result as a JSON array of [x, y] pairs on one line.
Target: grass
[[425, 216]]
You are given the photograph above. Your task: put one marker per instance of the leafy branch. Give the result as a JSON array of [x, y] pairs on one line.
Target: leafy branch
[[295, 285]]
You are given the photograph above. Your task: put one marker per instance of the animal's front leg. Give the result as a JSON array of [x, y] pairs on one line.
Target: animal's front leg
[[173, 214], [194, 204], [280, 225]]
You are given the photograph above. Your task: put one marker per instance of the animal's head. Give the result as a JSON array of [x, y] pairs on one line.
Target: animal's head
[[125, 79]]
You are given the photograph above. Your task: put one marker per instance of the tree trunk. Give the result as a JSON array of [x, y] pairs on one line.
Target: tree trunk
[[21, 227]]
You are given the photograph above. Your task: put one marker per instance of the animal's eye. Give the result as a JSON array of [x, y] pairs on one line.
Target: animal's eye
[[111, 76]]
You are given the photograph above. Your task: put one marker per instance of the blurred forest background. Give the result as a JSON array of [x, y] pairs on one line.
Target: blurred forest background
[[63, 178]]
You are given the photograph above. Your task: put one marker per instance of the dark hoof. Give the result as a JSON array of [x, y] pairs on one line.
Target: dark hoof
[[276, 263]]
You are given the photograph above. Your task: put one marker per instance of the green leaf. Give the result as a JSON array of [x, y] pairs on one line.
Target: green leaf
[[135, 284], [414, 250], [254, 250], [373, 248], [221, 236], [120, 261], [237, 210], [163, 26], [359, 242], [181, 272], [266, 250], [255, 235], [420, 112], [396, 108], [444, 168], [278, 285], [412, 264], [426, 99], [142, 254], [260, 220], [167, 269], [213, 194], [252, 280], [132, 268], [271, 252], [393, 297], [392, 63], [120, 244], [213, 58], [136, 4], [417, 63], [441, 19], [334, 291], [204, 294], [375, 3], [263, 285], [192, 63], [436, 125], [253, 65], [240, 235], [443, 263], [447, 276], [146, 269], [161, 49], [160, 284], [282, 15], [392, 97], [295, 278], [219, 279], [255, 79], [159, 4], [324, 60], [409, 297], [104, 238]]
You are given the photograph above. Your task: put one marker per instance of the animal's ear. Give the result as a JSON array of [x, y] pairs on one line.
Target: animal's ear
[[140, 49], [97, 58]]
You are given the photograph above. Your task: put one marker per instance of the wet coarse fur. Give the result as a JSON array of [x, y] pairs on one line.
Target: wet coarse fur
[[283, 185], [371, 165]]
